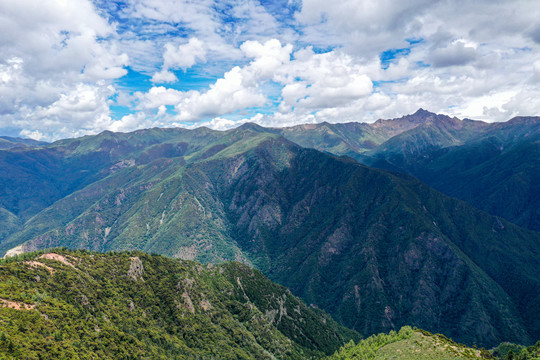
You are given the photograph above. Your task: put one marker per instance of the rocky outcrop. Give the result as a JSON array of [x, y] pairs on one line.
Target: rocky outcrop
[[136, 269]]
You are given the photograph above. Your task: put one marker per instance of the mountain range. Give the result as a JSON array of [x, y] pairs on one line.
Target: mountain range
[[8, 142], [375, 247], [493, 166]]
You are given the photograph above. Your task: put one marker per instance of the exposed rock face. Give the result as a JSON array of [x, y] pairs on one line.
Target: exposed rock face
[[57, 257], [136, 269], [275, 315], [15, 251], [36, 264], [17, 305], [377, 250], [183, 310], [205, 305], [187, 302]]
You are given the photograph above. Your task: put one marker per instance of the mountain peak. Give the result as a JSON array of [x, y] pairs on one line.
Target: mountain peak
[[249, 126], [253, 127], [422, 116], [423, 113]]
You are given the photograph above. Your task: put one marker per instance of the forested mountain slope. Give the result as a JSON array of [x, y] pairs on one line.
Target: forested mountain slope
[[376, 250], [494, 167], [82, 305]]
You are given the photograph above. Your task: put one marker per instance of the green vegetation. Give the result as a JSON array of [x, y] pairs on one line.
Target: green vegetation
[[380, 251], [408, 344], [7, 142], [376, 250], [509, 351], [495, 167], [503, 349], [61, 304]]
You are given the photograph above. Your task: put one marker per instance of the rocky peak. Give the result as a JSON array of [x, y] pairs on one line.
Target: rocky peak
[[423, 113], [420, 118]]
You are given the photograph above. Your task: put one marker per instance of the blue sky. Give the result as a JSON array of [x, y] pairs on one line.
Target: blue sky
[[70, 68]]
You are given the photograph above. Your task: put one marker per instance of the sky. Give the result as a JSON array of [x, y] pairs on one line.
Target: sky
[[74, 67]]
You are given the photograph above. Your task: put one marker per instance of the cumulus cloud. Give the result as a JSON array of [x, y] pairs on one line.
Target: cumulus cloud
[[222, 124], [310, 82], [53, 65], [164, 76], [456, 53], [179, 57], [82, 110], [314, 81], [239, 87], [227, 95], [267, 57], [366, 27], [535, 34], [353, 60], [184, 56], [220, 25]]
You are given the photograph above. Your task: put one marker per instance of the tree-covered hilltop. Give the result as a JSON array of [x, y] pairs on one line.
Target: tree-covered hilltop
[[510, 351], [82, 305]]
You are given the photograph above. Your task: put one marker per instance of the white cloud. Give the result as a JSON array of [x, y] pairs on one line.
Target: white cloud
[[377, 101], [80, 111], [268, 57], [55, 66], [36, 135], [130, 122], [456, 53], [310, 81], [59, 61], [226, 95], [368, 27], [220, 124], [164, 76], [536, 71], [56, 38], [239, 87], [364, 26], [179, 57], [487, 105], [158, 96], [207, 20], [184, 56], [197, 15], [314, 81]]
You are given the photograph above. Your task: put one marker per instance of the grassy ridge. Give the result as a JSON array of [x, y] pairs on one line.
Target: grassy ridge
[[408, 344]]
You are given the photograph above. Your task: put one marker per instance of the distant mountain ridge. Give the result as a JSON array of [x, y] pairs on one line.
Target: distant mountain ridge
[[457, 157], [8, 142], [376, 250]]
